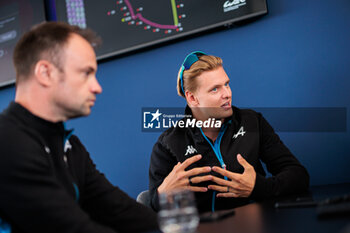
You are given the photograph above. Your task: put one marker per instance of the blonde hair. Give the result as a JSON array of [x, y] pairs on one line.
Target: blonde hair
[[204, 63]]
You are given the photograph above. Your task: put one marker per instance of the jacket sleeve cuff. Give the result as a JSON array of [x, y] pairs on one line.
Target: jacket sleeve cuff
[[155, 202], [260, 189]]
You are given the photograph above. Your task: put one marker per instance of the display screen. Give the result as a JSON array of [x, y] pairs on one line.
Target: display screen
[[126, 25], [16, 17]]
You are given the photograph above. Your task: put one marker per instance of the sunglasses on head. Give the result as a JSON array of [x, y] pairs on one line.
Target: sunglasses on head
[[188, 62]]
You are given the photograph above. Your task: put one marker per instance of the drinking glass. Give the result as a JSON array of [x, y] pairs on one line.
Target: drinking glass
[[178, 212]]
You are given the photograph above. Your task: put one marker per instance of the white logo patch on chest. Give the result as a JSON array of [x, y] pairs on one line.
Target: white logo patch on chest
[[240, 132], [190, 150]]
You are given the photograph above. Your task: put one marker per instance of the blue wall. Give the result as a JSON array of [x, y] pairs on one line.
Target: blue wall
[[296, 56]]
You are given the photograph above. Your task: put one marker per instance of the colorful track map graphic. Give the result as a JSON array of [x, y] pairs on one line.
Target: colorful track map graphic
[[131, 17], [127, 25]]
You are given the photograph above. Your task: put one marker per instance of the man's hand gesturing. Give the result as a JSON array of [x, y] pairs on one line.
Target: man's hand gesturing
[[238, 185], [178, 178]]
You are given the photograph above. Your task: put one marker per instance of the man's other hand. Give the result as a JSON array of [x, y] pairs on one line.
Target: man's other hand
[[238, 185], [178, 178]]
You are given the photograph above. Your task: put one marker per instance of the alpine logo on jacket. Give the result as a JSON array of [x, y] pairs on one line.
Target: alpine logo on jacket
[[67, 146], [240, 132], [190, 150]]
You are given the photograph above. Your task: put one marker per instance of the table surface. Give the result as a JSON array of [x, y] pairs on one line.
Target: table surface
[[264, 218]]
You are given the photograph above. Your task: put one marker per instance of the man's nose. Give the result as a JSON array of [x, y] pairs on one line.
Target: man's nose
[[226, 92], [96, 87]]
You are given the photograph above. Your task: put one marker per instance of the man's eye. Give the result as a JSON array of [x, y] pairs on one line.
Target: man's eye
[[214, 89]]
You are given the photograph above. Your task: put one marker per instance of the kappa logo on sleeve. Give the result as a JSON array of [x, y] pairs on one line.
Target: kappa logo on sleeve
[[240, 132], [190, 150]]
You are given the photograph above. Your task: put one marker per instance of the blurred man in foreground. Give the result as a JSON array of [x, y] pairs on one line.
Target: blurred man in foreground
[[48, 181]]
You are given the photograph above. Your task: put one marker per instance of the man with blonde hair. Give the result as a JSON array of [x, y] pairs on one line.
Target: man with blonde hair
[[221, 163]]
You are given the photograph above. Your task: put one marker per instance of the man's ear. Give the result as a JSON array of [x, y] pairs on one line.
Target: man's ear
[[191, 98], [44, 72]]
